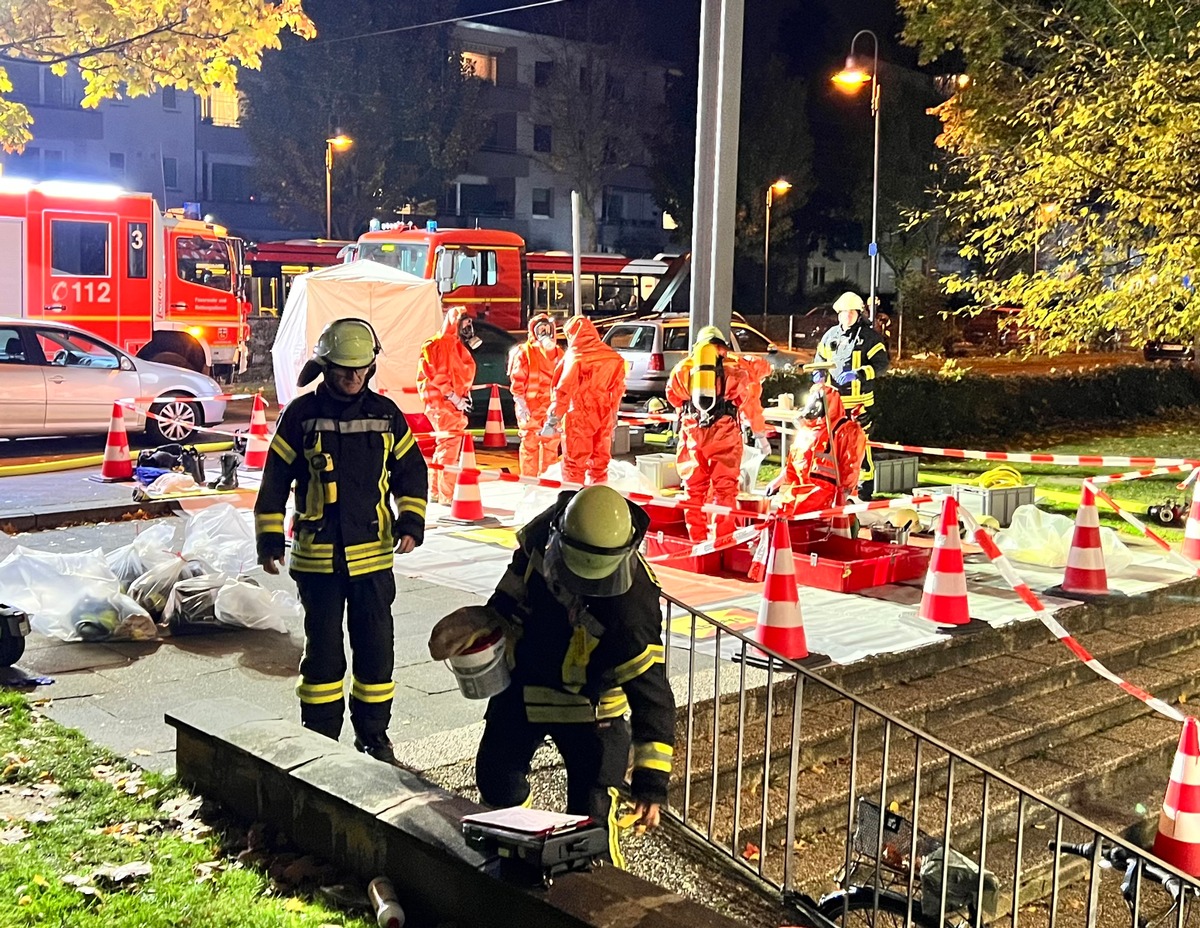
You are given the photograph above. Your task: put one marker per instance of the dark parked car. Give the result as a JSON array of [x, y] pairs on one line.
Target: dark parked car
[[1169, 350], [491, 366]]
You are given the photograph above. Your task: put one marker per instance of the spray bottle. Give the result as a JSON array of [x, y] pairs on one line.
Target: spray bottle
[[387, 907]]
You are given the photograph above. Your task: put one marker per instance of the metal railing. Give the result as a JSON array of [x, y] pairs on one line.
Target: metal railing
[[848, 812]]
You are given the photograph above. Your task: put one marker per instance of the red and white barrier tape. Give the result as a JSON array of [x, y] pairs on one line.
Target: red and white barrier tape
[[1069, 460], [224, 397], [194, 427], [899, 502], [639, 417], [1021, 588], [740, 537], [1139, 474], [1144, 530]]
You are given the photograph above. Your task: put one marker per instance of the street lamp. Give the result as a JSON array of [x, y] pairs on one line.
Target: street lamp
[[849, 80], [341, 143], [779, 188]]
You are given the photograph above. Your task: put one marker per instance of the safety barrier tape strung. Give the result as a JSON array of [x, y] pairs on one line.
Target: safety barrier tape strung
[[740, 537], [133, 401], [1139, 474], [1144, 530], [1021, 588], [194, 427], [1069, 460]]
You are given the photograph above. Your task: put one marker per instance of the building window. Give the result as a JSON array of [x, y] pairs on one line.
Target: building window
[[231, 183], [480, 65], [26, 81], [818, 275], [78, 249], [168, 98], [170, 170], [116, 161], [543, 72], [543, 202], [52, 89], [221, 107], [543, 138]]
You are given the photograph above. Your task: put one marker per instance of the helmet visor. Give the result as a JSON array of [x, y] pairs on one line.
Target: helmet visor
[[587, 570]]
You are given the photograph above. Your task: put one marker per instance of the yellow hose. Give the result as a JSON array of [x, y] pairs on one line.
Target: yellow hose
[[90, 460]]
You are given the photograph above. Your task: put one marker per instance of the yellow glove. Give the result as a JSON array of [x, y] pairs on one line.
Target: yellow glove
[[462, 628]]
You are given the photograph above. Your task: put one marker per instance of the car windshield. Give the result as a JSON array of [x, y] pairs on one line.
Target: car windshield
[[403, 256], [69, 349], [204, 261], [749, 341]]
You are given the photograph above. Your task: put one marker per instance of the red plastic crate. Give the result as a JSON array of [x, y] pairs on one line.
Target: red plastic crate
[[845, 565]]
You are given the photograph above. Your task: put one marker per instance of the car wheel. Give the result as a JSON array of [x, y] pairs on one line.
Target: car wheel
[[176, 421]]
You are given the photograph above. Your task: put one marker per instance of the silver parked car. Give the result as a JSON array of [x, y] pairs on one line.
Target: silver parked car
[[653, 345], [56, 379]]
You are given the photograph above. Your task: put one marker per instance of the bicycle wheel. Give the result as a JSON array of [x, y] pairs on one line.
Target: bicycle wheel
[[856, 908]]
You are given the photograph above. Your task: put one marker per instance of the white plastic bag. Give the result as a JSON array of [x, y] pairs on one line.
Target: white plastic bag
[[221, 537], [245, 604], [115, 617], [150, 548], [752, 460], [50, 587], [152, 590], [172, 483], [191, 607], [1044, 539]]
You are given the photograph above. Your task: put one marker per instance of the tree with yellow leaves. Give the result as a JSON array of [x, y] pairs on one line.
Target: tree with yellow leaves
[[1075, 131], [129, 47]]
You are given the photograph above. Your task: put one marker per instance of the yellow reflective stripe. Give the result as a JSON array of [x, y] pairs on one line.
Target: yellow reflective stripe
[[266, 523], [366, 549], [649, 569], [283, 449], [613, 705], [318, 693], [403, 446], [382, 509], [614, 843], [653, 755], [562, 715], [307, 547], [372, 692], [868, 373], [358, 568], [623, 673], [414, 504], [823, 350], [314, 496], [331, 493], [874, 351]]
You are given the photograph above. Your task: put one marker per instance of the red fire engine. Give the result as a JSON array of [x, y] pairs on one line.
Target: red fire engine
[[481, 269], [161, 286]]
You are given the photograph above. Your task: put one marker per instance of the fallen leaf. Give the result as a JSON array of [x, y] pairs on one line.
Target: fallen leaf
[[72, 879], [39, 817], [751, 852], [39, 880], [207, 870], [294, 905], [25, 900], [134, 870], [13, 835], [140, 752]]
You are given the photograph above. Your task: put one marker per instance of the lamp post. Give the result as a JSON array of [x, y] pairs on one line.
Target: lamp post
[[850, 79], [341, 143], [780, 187]]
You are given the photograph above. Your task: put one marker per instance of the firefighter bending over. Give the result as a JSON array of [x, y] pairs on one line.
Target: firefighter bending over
[[531, 376], [708, 388], [581, 610], [346, 449], [860, 358], [445, 376], [822, 466]]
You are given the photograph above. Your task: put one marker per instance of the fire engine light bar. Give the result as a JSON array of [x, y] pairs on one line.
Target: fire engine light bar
[[75, 188]]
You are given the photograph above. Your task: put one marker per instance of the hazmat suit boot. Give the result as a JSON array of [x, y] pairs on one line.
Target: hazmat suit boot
[[228, 479]]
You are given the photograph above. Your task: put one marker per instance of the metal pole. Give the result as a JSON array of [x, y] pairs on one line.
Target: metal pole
[[767, 257], [576, 237], [874, 251], [706, 162], [724, 216], [329, 190]]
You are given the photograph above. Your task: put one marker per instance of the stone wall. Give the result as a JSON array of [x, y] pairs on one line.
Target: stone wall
[[262, 336]]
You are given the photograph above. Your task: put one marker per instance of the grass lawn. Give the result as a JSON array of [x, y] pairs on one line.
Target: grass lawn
[[90, 842]]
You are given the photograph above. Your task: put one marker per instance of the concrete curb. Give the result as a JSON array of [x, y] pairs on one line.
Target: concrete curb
[[13, 522]]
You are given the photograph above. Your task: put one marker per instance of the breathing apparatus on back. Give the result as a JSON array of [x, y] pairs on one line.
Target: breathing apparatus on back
[[705, 384]]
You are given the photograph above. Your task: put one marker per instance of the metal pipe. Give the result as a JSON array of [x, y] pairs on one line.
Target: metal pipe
[[741, 747], [716, 734], [766, 780], [793, 774], [328, 189], [767, 256], [576, 246]]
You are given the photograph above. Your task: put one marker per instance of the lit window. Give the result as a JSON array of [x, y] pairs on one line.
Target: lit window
[[668, 222], [480, 65], [221, 107]]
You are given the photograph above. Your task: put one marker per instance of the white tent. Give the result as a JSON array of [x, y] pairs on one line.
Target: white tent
[[403, 309]]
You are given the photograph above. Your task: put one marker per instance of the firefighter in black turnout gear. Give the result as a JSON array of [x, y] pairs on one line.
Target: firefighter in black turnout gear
[[581, 612], [346, 450], [860, 357]]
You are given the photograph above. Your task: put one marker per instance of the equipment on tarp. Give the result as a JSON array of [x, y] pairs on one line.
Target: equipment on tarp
[[534, 845], [14, 628]]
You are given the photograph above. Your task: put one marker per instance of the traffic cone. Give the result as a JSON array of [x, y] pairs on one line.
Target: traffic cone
[[1178, 838], [1191, 534], [493, 429], [466, 508], [258, 441], [841, 525], [780, 624], [1085, 576], [944, 599], [117, 464]]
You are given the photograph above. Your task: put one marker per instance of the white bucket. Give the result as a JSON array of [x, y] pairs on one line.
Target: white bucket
[[482, 672]]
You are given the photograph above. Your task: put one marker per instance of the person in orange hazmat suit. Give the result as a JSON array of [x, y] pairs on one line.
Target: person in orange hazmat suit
[[445, 375], [756, 369], [708, 387], [531, 370], [588, 387], [822, 465]]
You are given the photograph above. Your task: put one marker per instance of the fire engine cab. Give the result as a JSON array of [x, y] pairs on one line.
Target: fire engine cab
[[481, 269], [161, 286]]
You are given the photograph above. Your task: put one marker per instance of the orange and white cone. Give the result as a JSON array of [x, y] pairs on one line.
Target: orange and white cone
[[259, 440], [1191, 534], [1085, 574], [944, 599], [842, 525], [117, 464], [493, 429], [780, 624], [1178, 839], [467, 504]]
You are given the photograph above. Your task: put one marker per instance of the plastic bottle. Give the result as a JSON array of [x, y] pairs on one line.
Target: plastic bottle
[[387, 907]]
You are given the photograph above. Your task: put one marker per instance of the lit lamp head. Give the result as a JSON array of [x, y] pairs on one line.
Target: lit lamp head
[[340, 142], [853, 76]]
